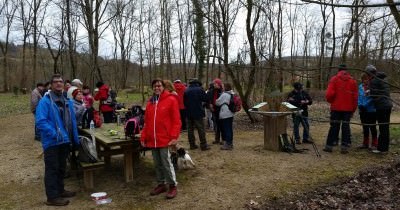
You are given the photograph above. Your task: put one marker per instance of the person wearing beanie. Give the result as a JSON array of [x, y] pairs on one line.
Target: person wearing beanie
[[105, 108], [75, 84], [367, 111], [380, 94], [212, 96], [342, 94], [193, 98], [78, 105], [301, 99]]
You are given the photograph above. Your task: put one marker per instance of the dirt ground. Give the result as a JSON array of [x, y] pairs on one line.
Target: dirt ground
[[246, 177]]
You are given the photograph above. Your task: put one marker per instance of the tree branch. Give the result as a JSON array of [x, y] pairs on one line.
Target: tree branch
[[351, 6]]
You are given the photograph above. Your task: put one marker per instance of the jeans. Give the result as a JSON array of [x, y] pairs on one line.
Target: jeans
[[165, 171], [210, 120], [368, 118], [383, 116], [227, 133], [55, 163], [217, 127], [199, 125], [339, 119], [303, 120]]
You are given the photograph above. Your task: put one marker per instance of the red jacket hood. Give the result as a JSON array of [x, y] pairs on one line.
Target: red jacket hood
[[344, 75]]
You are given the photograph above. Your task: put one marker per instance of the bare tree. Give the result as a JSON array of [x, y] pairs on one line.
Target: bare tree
[[7, 13], [95, 23], [200, 34]]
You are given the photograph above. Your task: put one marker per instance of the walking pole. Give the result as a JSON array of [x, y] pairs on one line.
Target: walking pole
[[309, 135]]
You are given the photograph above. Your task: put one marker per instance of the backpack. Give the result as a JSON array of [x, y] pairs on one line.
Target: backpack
[[87, 150], [235, 103], [132, 127], [136, 111], [111, 98], [286, 144], [89, 115]]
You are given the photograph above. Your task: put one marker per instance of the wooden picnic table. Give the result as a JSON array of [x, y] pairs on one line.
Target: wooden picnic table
[[108, 145]]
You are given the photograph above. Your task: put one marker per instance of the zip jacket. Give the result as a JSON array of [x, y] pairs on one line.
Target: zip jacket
[[365, 103], [162, 121], [342, 92], [102, 96], [53, 131], [295, 98]]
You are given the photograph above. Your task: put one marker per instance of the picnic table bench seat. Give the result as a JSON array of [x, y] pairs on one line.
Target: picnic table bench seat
[[88, 172]]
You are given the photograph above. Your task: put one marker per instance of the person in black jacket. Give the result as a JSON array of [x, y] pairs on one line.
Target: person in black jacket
[[193, 98], [380, 93], [301, 99]]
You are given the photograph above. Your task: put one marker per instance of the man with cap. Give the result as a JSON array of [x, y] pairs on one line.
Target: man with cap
[[342, 94], [380, 94], [301, 99], [193, 98], [180, 90]]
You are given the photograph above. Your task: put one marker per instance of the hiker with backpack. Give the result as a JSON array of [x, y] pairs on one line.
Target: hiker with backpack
[[226, 116], [79, 108], [161, 131], [55, 118], [106, 107], [301, 99], [194, 97]]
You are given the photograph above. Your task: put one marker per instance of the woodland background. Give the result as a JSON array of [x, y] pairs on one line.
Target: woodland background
[[128, 43]]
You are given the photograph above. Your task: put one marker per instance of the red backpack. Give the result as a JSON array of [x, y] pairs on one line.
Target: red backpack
[[97, 119], [235, 103]]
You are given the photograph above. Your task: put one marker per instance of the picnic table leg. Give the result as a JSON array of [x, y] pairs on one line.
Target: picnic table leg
[[128, 164], [107, 156], [88, 179]]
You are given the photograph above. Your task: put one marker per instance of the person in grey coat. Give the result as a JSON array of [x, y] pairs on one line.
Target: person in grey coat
[[380, 94], [36, 95], [226, 116]]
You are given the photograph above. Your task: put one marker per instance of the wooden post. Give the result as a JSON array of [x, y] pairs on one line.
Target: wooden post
[[128, 163], [273, 127]]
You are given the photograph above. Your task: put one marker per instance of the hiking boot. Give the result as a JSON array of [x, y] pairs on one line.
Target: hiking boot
[[327, 149], [57, 202], [159, 189], [226, 147], [307, 142], [67, 194], [344, 151], [216, 142], [362, 146], [204, 148], [298, 142], [172, 192], [194, 147]]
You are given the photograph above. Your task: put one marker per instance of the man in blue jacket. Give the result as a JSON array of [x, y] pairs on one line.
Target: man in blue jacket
[[193, 98], [55, 118]]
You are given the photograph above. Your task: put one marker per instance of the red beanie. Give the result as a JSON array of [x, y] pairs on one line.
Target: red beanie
[[76, 91], [218, 81]]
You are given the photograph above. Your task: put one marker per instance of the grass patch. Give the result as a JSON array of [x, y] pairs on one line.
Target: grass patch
[[14, 104]]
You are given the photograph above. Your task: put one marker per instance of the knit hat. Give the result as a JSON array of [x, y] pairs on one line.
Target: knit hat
[[76, 91], [76, 82], [342, 67], [370, 69], [218, 82]]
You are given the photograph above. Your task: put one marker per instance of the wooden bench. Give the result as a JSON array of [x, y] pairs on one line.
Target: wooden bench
[[88, 172]]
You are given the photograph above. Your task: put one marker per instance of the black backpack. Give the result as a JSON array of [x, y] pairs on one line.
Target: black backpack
[[87, 150]]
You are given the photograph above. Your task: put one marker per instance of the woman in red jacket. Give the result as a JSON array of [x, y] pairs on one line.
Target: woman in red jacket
[[161, 129]]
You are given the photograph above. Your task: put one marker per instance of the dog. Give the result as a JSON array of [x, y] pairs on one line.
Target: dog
[[181, 159]]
